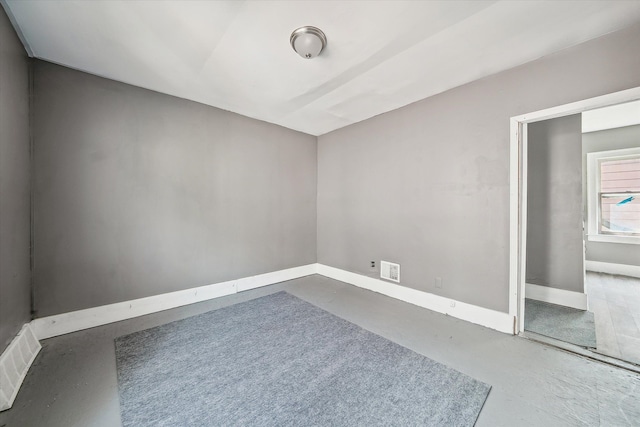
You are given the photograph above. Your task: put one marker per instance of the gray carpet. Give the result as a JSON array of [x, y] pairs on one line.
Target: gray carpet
[[279, 361], [559, 322]]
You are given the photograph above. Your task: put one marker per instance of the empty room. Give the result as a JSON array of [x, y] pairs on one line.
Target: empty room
[[330, 213]]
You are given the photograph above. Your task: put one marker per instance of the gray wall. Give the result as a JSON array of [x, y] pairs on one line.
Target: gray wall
[[15, 205], [427, 185], [137, 193], [610, 139], [555, 249]]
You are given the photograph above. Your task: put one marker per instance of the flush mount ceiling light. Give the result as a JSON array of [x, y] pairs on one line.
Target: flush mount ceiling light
[[308, 41]]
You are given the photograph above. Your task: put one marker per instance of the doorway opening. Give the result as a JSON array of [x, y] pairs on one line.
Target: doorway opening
[[595, 308]]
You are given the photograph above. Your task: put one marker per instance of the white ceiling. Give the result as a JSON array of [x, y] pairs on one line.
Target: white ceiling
[[235, 55]]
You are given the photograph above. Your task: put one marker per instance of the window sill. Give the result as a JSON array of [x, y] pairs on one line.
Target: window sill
[[632, 240]]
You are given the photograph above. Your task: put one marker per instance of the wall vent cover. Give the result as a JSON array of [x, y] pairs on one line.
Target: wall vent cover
[[390, 271]]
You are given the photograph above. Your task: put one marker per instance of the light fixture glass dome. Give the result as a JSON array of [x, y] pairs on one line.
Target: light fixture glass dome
[[308, 42]]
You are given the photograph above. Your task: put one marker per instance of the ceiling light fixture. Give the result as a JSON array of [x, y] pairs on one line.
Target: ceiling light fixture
[[308, 41]]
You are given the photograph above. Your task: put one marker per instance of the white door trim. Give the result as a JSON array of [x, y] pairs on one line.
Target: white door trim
[[518, 187]]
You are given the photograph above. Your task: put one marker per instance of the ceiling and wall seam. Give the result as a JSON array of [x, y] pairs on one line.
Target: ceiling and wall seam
[[17, 29], [380, 56]]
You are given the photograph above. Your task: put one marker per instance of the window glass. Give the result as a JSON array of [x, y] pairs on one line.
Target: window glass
[[619, 196]]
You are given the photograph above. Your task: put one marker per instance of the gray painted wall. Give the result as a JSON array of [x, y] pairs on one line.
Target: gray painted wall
[[15, 205], [137, 193], [610, 139], [427, 185], [555, 249]]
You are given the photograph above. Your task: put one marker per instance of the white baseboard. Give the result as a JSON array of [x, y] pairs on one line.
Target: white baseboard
[[497, 320], [60, 324], [611, 268], [65, 323], [275, 277], [14, 364], [556, 296]]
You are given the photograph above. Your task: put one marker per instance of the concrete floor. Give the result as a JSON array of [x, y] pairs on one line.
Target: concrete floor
[[73, 380], [615, 301]]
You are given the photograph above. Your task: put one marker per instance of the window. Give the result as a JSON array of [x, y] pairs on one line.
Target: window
[[613, 196]]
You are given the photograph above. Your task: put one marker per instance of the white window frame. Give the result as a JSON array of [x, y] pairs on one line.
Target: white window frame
[[593, 188]]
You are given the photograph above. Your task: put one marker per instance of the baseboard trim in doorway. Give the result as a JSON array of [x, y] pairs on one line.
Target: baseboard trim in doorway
[[612, 268], [60, 324], [497, 320], [557, 296], [15, 362]]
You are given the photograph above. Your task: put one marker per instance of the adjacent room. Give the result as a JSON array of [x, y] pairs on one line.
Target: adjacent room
[[583, 279], [267, 213]]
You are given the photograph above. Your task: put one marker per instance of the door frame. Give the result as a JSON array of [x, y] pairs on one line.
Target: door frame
[[518, 188]]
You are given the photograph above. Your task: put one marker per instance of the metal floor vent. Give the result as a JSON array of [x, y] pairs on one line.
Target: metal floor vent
[[390, 271]]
